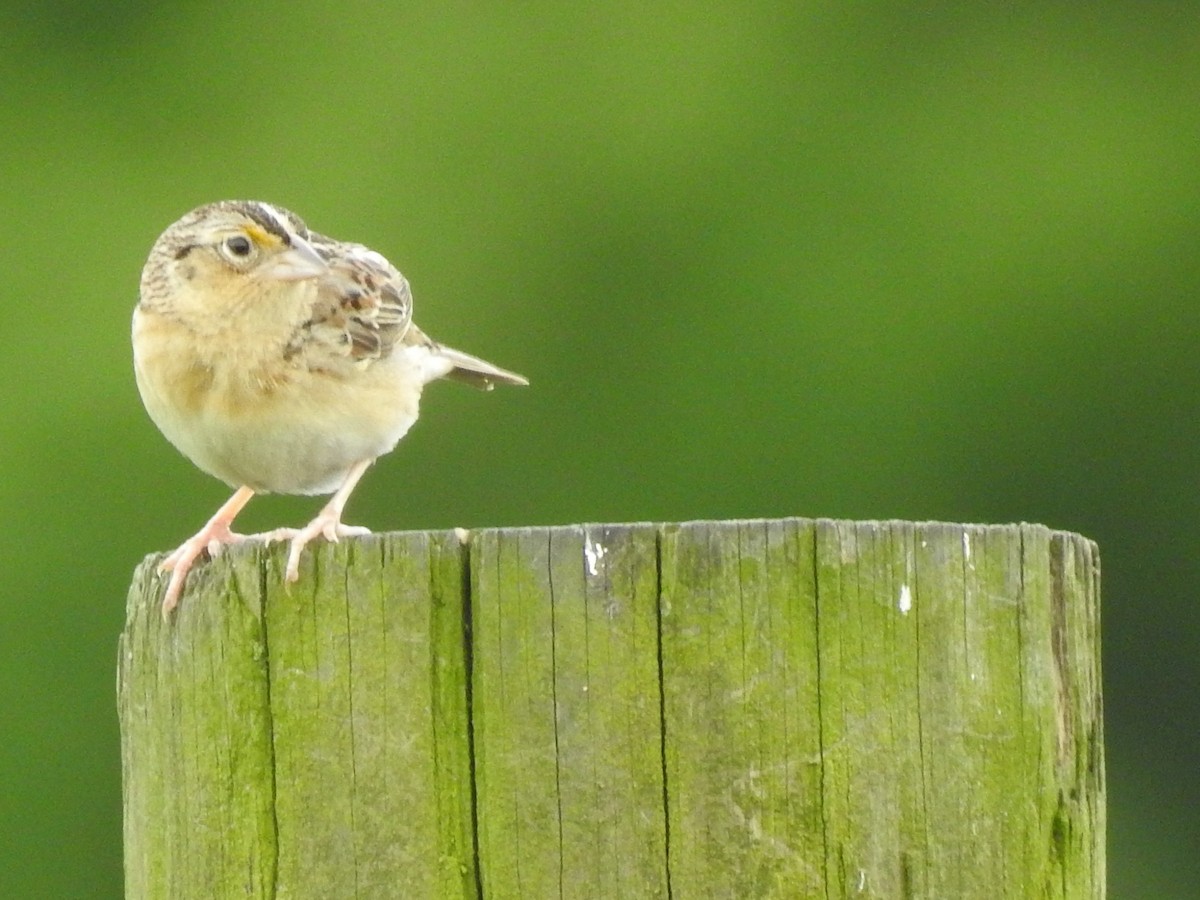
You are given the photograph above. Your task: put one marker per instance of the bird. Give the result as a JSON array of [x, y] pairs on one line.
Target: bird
[[279, 360]]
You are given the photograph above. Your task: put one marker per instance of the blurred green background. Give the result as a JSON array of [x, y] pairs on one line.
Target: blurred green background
[[758, 259]]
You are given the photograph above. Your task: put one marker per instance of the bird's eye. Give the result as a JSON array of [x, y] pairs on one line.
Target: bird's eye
[[238, 246]]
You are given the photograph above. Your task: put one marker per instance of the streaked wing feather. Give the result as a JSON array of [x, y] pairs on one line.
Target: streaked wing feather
[[363, 312], [363, 307]]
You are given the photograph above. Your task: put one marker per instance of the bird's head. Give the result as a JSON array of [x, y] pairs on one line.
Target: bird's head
[[225, 254]]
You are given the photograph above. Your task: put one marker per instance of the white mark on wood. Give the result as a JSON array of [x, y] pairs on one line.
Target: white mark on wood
[[905, 599], [593, 551], [862, 880], [464, 536], [967, 546]]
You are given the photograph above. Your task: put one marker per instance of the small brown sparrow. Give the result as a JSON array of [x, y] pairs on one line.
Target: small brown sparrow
[[278, 359]]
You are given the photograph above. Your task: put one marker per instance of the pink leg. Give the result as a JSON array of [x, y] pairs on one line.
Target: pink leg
[[209, 538], [328, 521]]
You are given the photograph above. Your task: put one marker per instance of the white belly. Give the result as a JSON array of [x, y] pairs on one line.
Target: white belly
[[300, 436]]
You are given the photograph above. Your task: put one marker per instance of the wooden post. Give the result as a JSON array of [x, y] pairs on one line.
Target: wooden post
[[787, 708]]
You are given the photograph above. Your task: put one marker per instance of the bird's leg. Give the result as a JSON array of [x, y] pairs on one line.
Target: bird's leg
[[210, 538], [328, 521]]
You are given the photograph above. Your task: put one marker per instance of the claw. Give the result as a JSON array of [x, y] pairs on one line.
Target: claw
[[328, 522], [215, 535], [328, 525], [210, 539]]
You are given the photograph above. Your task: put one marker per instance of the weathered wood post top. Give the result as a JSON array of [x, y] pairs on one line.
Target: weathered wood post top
[[769, 708]]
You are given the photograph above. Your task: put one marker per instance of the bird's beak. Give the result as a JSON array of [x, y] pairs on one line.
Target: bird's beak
[[296, 263]]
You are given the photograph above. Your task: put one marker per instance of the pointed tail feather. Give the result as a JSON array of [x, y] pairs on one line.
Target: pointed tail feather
[[477, 372]]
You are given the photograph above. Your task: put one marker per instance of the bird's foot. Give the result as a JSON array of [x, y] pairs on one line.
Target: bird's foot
[[210, 539], [328, 524]]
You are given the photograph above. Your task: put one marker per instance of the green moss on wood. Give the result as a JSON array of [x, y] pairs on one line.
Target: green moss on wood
[[781, 708]]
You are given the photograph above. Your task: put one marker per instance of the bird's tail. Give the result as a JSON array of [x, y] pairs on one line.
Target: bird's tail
[[477, 372], [446, 362]]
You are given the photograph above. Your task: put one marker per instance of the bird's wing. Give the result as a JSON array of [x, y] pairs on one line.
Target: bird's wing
[[363, 312], [362, 309]]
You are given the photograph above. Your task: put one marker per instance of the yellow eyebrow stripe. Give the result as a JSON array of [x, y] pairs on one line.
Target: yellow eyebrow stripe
[[261, 236]]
